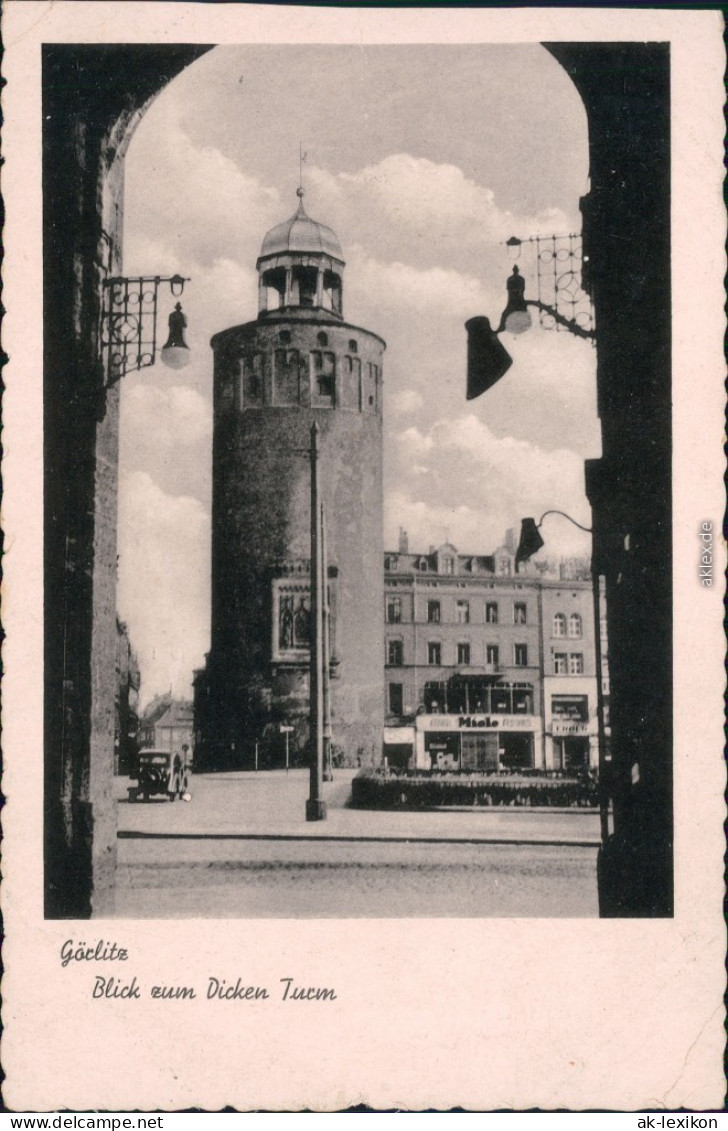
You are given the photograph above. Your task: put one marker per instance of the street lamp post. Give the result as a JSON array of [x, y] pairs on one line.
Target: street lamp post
[[326, 655], [529, 543], [315, 806]]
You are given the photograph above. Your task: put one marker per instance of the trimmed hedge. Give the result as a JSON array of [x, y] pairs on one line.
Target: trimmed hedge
[[382, 789]]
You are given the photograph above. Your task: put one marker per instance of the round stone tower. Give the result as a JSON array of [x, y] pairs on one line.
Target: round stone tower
[[297, 363]]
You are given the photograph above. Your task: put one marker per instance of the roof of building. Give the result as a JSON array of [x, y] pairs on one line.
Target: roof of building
[[447, 562], [301, 234], [177, 715]]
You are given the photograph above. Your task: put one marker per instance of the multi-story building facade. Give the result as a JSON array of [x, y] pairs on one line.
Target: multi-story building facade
[[486, 667]]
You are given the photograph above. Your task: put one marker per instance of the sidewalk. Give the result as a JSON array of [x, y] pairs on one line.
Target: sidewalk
[[270, 805]]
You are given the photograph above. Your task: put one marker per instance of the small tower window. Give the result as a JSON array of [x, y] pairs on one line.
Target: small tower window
[[353, 345], [303, 281], [251, 372], [286, 377], [284, 337], [332, 292], [351, 382], [322, 338], [369, 388], [323, 379], [274, 288]]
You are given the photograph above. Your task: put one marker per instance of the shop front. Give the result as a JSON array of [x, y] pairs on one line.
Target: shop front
[[571, 732], [484, 743], [398, 747]]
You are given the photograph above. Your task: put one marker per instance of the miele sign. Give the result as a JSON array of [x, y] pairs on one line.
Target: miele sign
[[477, 722]]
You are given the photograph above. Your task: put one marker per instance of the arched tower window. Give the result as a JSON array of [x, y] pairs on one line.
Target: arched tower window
[[574, 625]]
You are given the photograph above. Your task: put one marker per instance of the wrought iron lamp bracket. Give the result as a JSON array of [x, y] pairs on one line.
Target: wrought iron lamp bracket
[[569, 324], [560, 262], [128, 335]]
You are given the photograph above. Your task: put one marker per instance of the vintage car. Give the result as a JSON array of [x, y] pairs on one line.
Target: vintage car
[[160, 773]]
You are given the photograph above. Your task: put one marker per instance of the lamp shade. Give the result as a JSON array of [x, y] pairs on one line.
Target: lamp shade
[[515, 318], [518, 321], [529, 542], [175, 357], [175, 352], [488, 359]]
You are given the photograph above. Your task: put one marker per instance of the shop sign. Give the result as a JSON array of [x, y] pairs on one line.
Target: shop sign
[[561, 727], [477, 722]]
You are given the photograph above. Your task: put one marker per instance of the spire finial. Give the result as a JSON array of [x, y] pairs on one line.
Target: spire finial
[[301, 160]]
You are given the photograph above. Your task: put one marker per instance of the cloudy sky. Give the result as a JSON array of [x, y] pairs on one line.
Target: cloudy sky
[[424, 160]]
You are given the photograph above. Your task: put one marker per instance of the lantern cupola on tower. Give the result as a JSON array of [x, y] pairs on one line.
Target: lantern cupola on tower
[[300, 266]]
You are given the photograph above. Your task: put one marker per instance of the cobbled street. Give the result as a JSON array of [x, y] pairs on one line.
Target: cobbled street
[[242, 848]]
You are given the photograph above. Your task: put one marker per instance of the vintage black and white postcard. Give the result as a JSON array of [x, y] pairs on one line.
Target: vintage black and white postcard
[[364, 570]]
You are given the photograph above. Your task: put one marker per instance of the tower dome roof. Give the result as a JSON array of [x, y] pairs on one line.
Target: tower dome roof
[[301, 234]]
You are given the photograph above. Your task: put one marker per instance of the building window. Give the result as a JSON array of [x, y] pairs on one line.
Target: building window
[[351, 383], [560, 663], [293, 623], [353, 346], [462, 612], [522, 699], [391, 563], [322, 338], [394, 610], [574, 625], [559, 627], [251, 385], [284, 337], [504, 567], [324, 378], [434, 698], [573, 707], [491, 613], [395, 699], [448, 565], [576, 663], [286, 377], [464, 654], [433, 612], [395, 653], [434, 653], [519, 613], [520, 655], [491, 655]]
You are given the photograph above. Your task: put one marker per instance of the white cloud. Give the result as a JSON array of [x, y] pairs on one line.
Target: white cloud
[[192, 201], [460, 480], [166, 432], [164, 584], [442, 290], [429, 210], [404, 402], [171, 417]]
